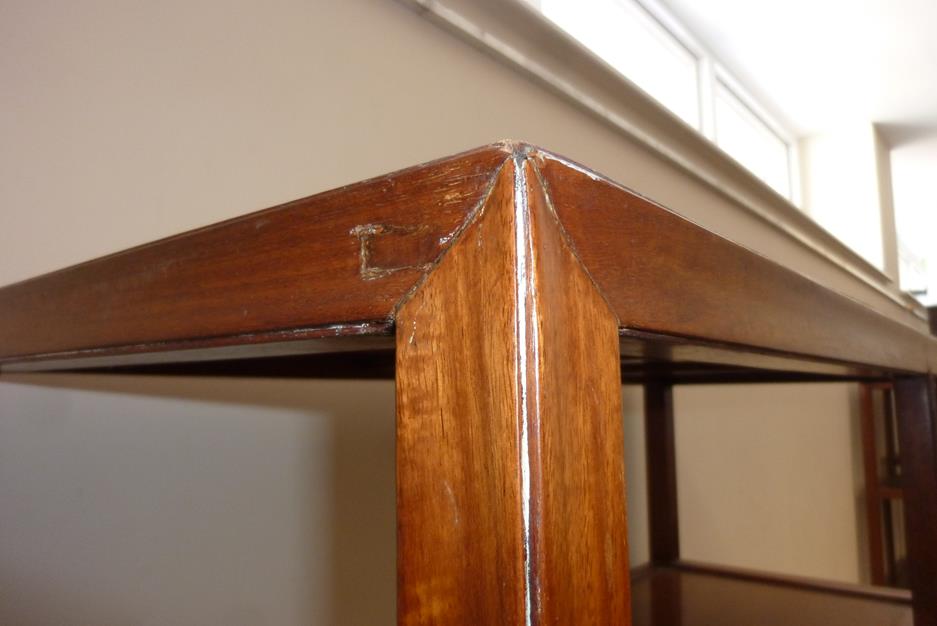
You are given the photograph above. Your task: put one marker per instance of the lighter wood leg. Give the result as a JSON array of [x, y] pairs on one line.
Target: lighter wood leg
[[510, 461]]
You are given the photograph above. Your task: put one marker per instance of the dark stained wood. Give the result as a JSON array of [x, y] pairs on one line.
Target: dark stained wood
[[664, 274], [885, 594], [376, 361], [667, 598], [347, 258], [374, 364], [692, 595], [873, 503], [660, 443], [373, 359], [883, 482], [347, 255], [917, 431], [510, 444], [891, 492], [891, 488], [689, 373], [642, 346], [362, 338], [350, 255]]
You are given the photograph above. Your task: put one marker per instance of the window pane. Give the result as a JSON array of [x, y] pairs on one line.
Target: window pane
[[635, 44], [750, 142]]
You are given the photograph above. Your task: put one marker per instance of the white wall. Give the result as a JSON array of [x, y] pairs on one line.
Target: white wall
[[209, 501]]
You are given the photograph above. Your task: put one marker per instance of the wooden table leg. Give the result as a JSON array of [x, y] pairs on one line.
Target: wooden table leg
[[660, 446], [873, 503], [917, 432], [510, 460]]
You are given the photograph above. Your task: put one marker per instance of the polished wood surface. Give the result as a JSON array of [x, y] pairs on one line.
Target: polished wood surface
[[650, 263], [703, 596], [338, 258], [341, 262], [511, 494]]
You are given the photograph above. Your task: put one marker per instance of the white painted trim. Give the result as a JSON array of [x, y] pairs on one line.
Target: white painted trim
[[707, 97]]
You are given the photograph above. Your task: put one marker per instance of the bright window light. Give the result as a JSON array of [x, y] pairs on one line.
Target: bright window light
[[634, 43], [647, 45], [842, 190], [750, 141]]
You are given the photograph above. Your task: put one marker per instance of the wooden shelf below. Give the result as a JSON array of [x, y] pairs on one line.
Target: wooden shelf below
[[687, 594]]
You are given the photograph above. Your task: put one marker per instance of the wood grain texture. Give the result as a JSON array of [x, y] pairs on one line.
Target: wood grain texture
[[916, 404], [347, 255], [344, 260], [510, 450], [664, 274]]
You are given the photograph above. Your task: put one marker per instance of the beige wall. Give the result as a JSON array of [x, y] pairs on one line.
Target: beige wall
[[183, 501], [157, 501], [770, 476]]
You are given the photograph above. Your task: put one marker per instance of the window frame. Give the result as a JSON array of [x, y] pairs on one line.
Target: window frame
[[720, 75], [709, 73]]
